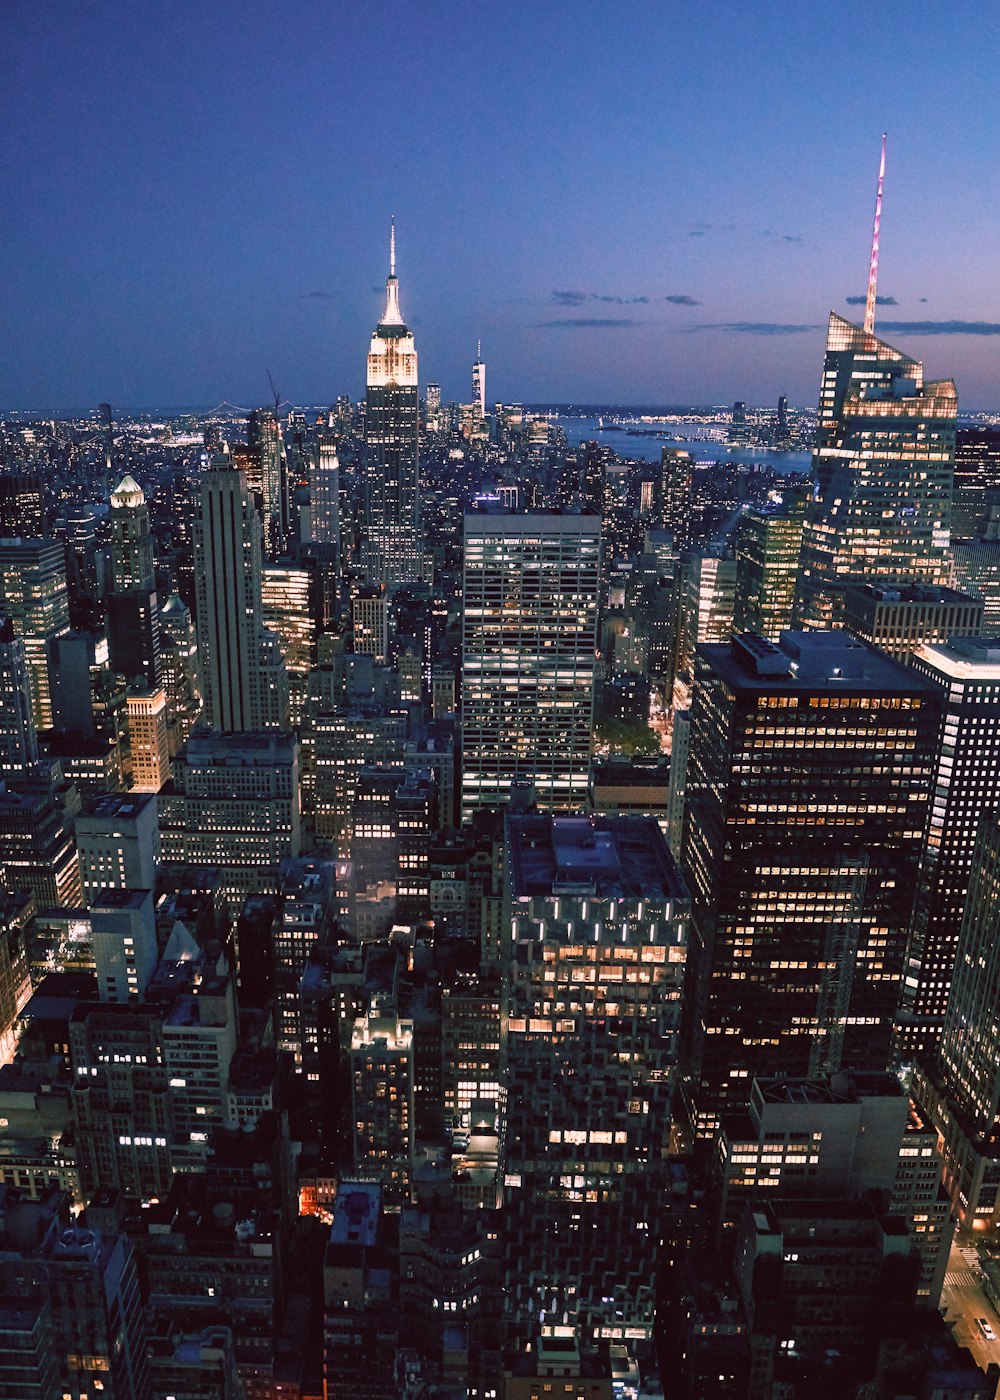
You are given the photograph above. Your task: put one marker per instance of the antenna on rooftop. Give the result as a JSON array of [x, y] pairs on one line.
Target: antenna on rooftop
[[873, 268]]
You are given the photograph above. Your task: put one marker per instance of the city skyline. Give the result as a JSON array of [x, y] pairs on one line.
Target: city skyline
[[594, 229]]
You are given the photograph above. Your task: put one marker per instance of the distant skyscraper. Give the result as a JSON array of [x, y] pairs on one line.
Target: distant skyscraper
[[148, 744], [268, 468], [131, 541], [883, 474], [966, 673], [244, 680], [802, 836], [391, 533], [479, 384], [529, 635], [961, 1087], [18, 741], [768, 542], [677, 469], [133, 617], [33, 595], [324, 492]]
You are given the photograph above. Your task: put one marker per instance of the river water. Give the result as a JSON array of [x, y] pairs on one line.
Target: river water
[[647, 449]]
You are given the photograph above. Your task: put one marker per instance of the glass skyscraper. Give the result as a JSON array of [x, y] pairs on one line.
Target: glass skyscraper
[[883, 471], [808, 785], [529, 636]]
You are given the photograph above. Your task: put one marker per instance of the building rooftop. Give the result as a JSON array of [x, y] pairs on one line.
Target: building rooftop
[[117, 804], [963, 658], [910, 593], [611, 857], [809, 662], [121, 899], [356, 1213]]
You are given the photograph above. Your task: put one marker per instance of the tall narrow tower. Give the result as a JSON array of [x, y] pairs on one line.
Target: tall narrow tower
[[244, 679], [390, 546], [479, 383], [882, 468], [133, 614]]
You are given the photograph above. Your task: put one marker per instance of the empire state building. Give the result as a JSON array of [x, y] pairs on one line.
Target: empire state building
[[390, 548]]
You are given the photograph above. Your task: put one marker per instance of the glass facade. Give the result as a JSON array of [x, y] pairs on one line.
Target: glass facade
[[883, 470], [807, 795], [528, 655]]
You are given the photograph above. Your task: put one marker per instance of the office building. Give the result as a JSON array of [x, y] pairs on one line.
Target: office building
[[122, 1107], [118, 841], [883, 474], [267, 474], [149, 746], [768, 543], [123, 933], [303, 925], [677, 469], [179, 671], [595, 921], [133, 618], [75, 1289], [835, 1137], [131, 541], [380, 1061], [370, 620], [707, 600], [393, 817], [977, 573], [360, 1297], [529, 634], [900, 618], [33, 594], [966, 674], [340, 745], [243, 677], [233, 803], [289, 600], [960, 1085], [22, 504], [808, 785], [391, 538], [324, 493], [18, 739], [37, 851]]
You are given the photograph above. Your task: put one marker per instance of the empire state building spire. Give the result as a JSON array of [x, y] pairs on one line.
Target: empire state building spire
[[392, 315], [390, 535]]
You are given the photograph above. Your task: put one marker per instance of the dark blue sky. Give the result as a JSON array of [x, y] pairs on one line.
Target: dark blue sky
[[198, 190]]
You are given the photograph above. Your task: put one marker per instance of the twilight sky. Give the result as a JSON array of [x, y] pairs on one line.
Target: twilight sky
[[633, 202]]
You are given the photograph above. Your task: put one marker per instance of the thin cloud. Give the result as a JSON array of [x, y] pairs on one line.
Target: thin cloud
[[587, 323], [791, 238], [579, 298], [696, 233], [941, 327], [754, 327], [682, 299], [879, 301], [319, 296]]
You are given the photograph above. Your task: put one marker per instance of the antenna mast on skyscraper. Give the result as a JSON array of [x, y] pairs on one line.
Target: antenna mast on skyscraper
[[392, 246], [873, 269]]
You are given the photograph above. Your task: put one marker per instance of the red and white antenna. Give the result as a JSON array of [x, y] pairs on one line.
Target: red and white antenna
[[873, 269]]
